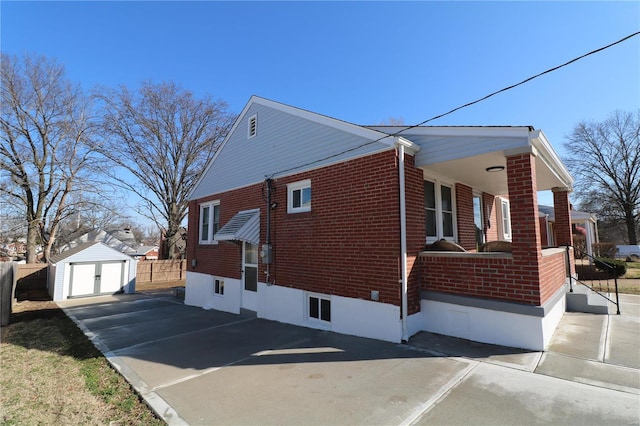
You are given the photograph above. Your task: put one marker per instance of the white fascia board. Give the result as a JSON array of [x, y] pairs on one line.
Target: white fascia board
[[410, 147], [480, 131], [550, 157], [220, 148], [345, 126]]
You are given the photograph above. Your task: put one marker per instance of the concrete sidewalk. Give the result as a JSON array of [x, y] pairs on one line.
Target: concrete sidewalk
[[206, 367]]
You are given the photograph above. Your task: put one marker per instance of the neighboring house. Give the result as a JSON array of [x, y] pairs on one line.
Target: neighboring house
[[314, 221], [121, 240], [582, 223], [90, 269], [147, 253]]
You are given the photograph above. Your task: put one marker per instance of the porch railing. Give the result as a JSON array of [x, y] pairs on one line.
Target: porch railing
[[602, 281]]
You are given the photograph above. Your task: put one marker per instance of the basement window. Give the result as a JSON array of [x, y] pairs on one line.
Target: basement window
[[320, 308], [252, 128], [218, 287]]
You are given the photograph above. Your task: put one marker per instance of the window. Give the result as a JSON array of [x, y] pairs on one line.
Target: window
[[218, 287], [252, 128], [478, 218], [209, 221], [320, 308], [505, 219], [299, 197], [439, 211]]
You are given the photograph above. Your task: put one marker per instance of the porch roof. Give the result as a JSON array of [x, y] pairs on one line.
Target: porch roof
[[463, 154]]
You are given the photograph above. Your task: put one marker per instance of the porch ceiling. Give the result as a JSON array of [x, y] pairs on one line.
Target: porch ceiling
[[472, 171]]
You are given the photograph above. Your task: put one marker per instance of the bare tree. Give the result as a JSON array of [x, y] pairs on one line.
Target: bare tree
[[163, 136], [45, 157], [605, 159]]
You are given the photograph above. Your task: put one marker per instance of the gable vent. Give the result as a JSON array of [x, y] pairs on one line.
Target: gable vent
[[253, 125]]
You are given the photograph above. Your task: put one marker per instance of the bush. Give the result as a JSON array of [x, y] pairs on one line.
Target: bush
[[605, 250], [615, 267]]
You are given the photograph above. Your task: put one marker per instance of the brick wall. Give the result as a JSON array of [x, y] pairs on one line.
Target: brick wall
[[464, 212], [490, 217], [562, 210], [553, 273], [488, 277], [348, 244]]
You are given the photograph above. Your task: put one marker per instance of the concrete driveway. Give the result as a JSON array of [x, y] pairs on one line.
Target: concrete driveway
[[205, 367]]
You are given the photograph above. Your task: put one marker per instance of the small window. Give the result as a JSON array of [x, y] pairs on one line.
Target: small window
[[299, 197], [209, 221], [505, 213], [218, 287], [320, 308], [253, 126]]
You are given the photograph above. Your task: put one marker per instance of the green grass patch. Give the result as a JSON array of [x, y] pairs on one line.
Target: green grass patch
[[52, 374]]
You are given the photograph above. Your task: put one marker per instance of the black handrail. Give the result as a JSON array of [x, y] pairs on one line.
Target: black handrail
[[579, 254]]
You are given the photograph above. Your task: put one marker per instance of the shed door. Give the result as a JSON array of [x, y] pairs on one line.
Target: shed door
[[111, 276], [83, 279], [96, 278]]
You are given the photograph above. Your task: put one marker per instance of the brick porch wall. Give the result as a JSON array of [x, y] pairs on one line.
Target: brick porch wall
[[464, 213], [491, 217], [562, 210]]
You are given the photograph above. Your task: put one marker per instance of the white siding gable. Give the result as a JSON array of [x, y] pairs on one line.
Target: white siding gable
[[285, 137], [96, 253]]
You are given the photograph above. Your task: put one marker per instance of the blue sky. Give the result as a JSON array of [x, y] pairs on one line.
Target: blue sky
[[363, 62]]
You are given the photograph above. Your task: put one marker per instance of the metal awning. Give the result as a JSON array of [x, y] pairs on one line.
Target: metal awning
[[244, 226]]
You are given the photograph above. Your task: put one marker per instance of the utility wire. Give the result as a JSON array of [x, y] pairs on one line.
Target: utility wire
[[457, 108]]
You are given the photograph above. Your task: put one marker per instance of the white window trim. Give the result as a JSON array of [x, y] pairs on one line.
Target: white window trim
[[320, 323], [221, 282], [438, 183], [506, 236], [254, 119], [209, 238], [294, 187]]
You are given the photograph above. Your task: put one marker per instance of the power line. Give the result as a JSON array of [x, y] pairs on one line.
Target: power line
[[457, 108]]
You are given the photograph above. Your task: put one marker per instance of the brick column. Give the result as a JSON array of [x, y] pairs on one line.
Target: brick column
[[562, 211], [525, 226]]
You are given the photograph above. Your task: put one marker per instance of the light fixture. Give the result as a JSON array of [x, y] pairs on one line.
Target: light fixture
[[495, 169]]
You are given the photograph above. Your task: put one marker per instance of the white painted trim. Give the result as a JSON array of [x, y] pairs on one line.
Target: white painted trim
[[254, 119], [403, 244], [295, 186], [492, 326], [210, 237], [500, 216], [548, 155], [481, 131], [438, 183]]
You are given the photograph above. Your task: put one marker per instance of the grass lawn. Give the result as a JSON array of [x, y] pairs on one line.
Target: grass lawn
[[633, 270], [52, 374]]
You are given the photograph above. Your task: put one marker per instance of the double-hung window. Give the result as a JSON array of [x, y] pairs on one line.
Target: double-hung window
[[299, 197], [209, 221], [439, 211]]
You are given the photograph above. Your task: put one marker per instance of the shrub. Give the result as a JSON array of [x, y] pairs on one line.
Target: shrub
[[605, 250], [615, 267]]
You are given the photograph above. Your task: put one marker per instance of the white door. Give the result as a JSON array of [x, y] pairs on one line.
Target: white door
[[83, 279], [249, 276], [111, 276]]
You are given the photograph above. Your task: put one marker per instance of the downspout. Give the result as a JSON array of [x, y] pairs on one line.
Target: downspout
[[403, 244]]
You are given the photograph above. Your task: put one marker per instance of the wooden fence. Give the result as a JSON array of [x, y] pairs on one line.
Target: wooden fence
[[31, 276], [155, 271]]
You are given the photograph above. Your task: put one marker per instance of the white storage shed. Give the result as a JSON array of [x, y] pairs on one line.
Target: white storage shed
[[91, 269]]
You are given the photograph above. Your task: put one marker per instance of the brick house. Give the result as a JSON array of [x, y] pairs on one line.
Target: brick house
[[313, 221]]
